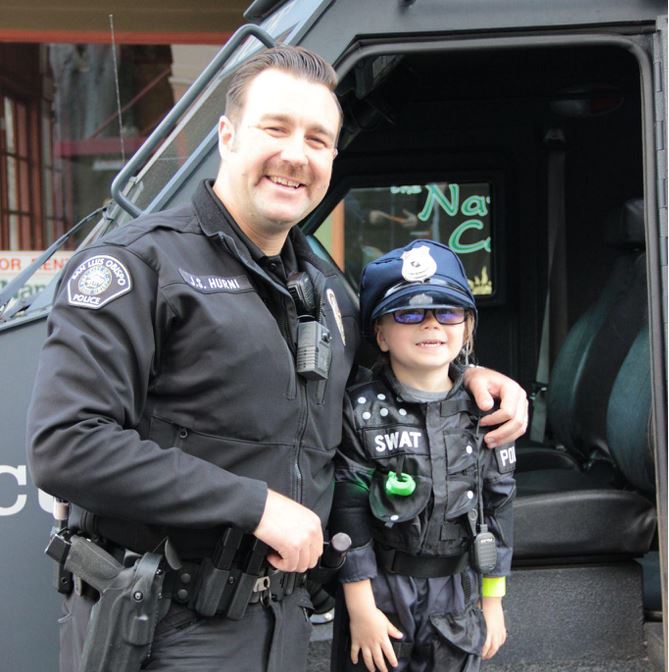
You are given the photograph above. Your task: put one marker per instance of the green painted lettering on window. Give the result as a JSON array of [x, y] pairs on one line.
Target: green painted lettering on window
[[435, 195], [459, 247]]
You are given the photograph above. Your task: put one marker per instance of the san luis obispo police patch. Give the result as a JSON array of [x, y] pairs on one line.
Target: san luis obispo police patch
[[97, 281]]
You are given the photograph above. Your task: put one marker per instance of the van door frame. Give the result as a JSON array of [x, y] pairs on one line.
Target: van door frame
[[642, 46], [659, 323]]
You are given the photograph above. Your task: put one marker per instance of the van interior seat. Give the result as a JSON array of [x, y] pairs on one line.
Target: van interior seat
[[563, 512], [592, 353]]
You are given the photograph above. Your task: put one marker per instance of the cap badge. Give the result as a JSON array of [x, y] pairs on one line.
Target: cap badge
[[418, 264]]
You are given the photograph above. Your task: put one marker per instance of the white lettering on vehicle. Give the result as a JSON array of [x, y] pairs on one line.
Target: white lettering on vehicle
[[20, 476]]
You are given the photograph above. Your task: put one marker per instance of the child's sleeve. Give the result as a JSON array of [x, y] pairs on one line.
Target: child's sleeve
[[499, 491], [350, 508]]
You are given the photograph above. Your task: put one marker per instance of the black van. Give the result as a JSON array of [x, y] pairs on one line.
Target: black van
[[531, 137]]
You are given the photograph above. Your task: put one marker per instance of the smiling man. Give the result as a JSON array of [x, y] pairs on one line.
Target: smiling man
[[277, 151], [174, 407]]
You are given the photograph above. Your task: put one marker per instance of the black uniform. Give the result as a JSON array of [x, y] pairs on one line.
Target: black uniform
[[395, 538], [167, 399]]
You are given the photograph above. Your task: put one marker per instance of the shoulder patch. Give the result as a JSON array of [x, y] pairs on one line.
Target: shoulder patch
[[97, 281], [506, 458]]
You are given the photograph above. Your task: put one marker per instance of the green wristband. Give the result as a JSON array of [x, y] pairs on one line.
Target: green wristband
[[493, 586]]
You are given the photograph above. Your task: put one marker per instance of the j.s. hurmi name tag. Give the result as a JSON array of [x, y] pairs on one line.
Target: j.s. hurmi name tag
[[209, 284]]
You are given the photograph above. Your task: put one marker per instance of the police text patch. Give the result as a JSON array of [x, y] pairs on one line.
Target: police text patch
[[208, 284], [395, 439], [97, 281], [506, 458]]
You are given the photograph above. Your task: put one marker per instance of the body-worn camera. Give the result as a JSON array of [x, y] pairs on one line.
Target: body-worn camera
[[313, 350]]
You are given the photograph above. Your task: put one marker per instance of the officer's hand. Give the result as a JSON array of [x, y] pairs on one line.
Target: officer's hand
[[293, 531], [486, 385]]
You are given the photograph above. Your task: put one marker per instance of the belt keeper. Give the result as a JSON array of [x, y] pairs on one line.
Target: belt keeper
[[262, 583]]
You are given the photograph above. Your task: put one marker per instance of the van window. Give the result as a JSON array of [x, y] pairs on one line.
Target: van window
[[372, 220]]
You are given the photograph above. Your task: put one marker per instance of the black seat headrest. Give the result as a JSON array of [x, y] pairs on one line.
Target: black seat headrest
[[625, 225]]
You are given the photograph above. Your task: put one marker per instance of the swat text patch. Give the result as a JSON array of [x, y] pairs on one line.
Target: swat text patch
[[208, 284], [395, 439], [98, 281]]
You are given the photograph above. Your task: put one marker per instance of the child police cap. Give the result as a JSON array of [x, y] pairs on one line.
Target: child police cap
[[424, 274]]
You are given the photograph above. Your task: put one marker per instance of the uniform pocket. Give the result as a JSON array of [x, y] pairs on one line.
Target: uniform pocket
[[462, 450], [392, 509], [410, 510], [458, 635]]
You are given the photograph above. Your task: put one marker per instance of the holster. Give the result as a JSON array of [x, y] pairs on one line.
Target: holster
[[123, 620]]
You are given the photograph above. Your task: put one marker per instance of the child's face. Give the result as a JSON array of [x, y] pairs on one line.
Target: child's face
[[417, 350]]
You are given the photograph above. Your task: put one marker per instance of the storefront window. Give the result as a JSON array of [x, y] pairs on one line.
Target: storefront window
[[377, 219]]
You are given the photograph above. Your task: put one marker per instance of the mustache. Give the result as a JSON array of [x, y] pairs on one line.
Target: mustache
[[287, 169]]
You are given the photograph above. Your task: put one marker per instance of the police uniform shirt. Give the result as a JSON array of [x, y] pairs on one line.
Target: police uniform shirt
[[165, 374]]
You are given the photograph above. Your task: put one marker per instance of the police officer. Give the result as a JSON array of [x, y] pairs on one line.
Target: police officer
[[168, 405]]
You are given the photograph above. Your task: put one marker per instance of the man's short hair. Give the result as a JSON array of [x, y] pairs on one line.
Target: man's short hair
[[297, 61]]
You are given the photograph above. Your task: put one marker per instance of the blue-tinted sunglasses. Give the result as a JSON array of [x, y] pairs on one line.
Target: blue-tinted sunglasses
[[449, 315]]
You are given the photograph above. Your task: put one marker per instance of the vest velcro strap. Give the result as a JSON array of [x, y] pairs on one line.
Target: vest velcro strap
[[420, 566]]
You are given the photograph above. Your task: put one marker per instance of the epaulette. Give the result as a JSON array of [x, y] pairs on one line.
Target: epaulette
[[374, 404]]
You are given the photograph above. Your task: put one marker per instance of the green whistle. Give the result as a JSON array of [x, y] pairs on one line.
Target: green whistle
[[402, 485]]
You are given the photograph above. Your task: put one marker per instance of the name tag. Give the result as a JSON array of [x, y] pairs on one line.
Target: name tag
[[210, 284]]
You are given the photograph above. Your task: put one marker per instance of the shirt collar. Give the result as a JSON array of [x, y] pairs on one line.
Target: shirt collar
[[215, 219]]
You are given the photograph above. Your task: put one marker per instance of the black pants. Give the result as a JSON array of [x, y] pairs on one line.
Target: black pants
[[442, 624], [268, 639]]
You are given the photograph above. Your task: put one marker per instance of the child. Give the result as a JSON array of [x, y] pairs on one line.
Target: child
[[414, 485]]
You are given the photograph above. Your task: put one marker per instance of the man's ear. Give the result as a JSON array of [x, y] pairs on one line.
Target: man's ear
[[226, 135]]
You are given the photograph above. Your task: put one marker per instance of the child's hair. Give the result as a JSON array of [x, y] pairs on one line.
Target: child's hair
[[467, 352]]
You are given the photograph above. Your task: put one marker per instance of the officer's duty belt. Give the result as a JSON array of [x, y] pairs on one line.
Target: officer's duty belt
[[420, 566], [182, 586]]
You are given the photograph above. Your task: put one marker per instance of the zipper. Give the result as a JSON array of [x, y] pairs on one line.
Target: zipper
[[301, 428], [296, 388]]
